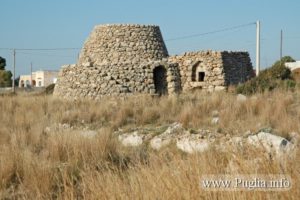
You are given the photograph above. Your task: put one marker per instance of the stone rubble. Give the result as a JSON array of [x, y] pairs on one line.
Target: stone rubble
[[166, 137], [196, 141], [215, 120], [271, 143], [203, 140], [193, 143], [132, 139]]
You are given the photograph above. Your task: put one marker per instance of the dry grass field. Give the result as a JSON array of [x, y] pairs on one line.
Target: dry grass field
[[40, 164]]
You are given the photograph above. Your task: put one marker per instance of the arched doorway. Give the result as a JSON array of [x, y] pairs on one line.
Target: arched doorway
[[27, 83], [22, 83], [198, 73], [160, 80]]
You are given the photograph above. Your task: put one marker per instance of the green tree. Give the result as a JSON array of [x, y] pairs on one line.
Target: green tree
[[2, 63], [279, 70], [283, 61], [5, 76]]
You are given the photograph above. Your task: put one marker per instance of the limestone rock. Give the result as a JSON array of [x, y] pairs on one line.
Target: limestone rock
[[86, 64], [167, 137], [241, 98], [173, 129], [215, 120], [220, 88], [271, 143], [201, 140], [191, 144], [159, 142], [131, 139]]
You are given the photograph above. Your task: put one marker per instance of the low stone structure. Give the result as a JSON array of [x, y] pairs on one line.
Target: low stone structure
[[128, 59], [213, 70]]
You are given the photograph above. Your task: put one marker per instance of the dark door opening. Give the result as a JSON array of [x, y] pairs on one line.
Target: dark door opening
[[201, 76], [160, 80]]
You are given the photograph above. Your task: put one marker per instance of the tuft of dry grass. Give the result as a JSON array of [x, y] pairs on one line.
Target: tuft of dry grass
[[55, 164]]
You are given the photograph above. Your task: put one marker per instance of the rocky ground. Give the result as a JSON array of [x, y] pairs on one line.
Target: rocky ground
[[146, 147], [191, 140], [194, 141]]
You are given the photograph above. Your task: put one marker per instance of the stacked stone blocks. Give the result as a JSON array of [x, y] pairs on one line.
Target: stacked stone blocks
[[119, 60]]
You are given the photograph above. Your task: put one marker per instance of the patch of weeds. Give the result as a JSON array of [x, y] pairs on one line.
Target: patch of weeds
[[159, 130], [193, 131]]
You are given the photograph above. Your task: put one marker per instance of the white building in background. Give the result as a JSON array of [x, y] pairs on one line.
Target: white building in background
[[293, 65], [38, 79]]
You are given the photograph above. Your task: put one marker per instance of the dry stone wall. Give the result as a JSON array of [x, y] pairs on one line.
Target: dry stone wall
[[192, 63], [93, 82], [119, 60], [237, 67], [114, 44], [212, 70]]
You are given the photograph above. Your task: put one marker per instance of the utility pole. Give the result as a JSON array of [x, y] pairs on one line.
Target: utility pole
[[257, 47], [14, 76], [281, 38], [31, 74]]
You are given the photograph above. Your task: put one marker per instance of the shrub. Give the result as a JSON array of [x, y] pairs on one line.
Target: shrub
[[278, 76], [50, 88]]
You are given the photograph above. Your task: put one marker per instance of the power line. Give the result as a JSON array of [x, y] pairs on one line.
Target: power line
[[43, 49], [47, 55], [211, 41], [210, 32], [291, 38], [171, 39]]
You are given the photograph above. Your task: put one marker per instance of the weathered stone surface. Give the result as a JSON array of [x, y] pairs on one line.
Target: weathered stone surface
[[167, 137], [215, 120], [121, 43], [198, 141], [122, 59], [193, 144], [132, 139], [211, 70], [158, 142], [271, 143]]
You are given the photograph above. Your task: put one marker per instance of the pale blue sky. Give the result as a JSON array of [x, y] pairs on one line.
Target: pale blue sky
[[66, 23]]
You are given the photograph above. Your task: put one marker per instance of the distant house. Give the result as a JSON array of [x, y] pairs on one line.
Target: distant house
[[293, 65], [38, 79]]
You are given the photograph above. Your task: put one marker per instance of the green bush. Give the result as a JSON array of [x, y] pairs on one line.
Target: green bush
[[278, 76], [49, 89], [5, 76]]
